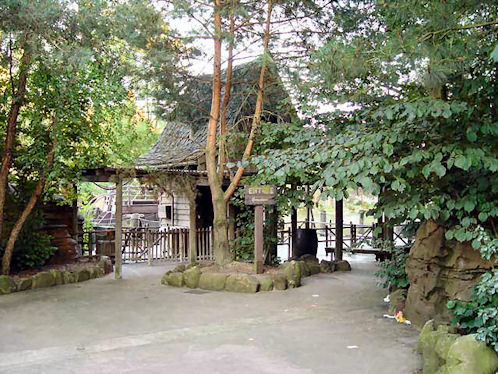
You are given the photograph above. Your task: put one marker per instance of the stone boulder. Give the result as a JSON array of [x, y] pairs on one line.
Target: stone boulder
[[105, 263], [212, 281], [445, 352], [309, 259], [24, 284], [265, 282], [175, 279], [342, 265], [43, 279], [293, 273], [327, 266], [191, 277], [439, 271], [68, 277], [244, 283], [57, 276], [7, 285], [467, 355], [180, 268], [279, 281], [314, 268], [82, 275], [304, 268]]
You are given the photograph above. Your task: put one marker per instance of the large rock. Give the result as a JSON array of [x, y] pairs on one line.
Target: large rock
[[244, 283], [342, 265], [292, 271], [439, 271], [191, 277], [180, 268], [304, 268], [265, 283], [43, 279], [57, 276], [175, 279], [309, 259], [7, 285], [467, 355], [279, 281], [24, 284], [68, 277], [327, 266], [314, 268], [105, 264], [212, 281], [82, 275]]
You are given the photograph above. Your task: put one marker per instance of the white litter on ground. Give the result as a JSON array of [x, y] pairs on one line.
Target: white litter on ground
[[315, 295], [352, 347], [388, 316], [387, 298]]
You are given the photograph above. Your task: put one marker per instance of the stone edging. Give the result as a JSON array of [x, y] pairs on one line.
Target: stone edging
[[55, 277], [289, 275], [445, 351]]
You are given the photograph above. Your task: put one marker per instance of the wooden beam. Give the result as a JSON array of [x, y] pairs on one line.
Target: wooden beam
[[339, 228], [118, 239], [293, 229], [192, 237], [258, 239]]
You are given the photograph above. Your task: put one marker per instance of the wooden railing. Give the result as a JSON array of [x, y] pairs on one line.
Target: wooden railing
[[147, 244], [355, 236]]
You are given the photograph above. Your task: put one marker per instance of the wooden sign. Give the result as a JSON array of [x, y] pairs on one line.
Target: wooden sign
[[260, 195]]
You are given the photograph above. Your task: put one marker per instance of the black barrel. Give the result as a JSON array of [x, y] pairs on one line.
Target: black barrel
[[306, 242]]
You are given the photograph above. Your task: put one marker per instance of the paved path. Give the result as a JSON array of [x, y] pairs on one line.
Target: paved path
[[333, 324]]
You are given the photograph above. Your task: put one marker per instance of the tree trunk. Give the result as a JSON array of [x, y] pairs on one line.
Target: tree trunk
[[257, 112], [220, 225], [17, 102], [16, 230]]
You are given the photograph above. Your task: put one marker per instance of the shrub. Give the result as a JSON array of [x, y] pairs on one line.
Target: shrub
[[480, 315], [392, 271]]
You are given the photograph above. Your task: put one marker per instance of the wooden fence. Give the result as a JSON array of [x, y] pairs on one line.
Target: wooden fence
[[355, 236], [147, 244]]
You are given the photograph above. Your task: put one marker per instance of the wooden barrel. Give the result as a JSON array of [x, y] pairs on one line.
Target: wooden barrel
[[306, 242]]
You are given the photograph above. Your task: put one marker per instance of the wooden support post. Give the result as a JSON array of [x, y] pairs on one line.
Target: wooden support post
[[75, 227], [293, 229], [192, 235], [119, 229], [258, 239], [149, 241], [339, 228]]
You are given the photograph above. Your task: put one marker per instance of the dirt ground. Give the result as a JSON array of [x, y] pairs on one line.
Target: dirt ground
[[332, 324]]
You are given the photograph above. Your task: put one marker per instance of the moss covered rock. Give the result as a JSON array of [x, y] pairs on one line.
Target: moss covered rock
[[105, 264], [314, 268], [467, 355], [24, 284], [327, 266], [180, 268], [191, 277], [175, 279], [57, 276], [244, 283], [292, 271], [342, 265], [265, 283], [279, 281], [43, 279], [304, 269], [67, 277], [82, 275], [212, 281], [7, 285]]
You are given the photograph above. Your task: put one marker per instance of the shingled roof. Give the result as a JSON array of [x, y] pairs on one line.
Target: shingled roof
[[183, 139]]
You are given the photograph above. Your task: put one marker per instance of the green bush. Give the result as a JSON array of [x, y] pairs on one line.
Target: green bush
[[480, 315], [32, 248], [392, 271]]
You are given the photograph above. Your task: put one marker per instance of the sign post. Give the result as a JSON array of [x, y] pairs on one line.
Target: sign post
[[259, 196]]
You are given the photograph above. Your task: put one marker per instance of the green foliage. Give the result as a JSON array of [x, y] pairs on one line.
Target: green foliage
[[479, 316], [243, 245], [32, 249], [392, 271]]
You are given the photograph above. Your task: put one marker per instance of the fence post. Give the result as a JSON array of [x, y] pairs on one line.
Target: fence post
[[149, 241]]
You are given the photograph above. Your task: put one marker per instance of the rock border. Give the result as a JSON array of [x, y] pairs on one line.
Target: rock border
[[445, 351], [54, 277], [289, 275]]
